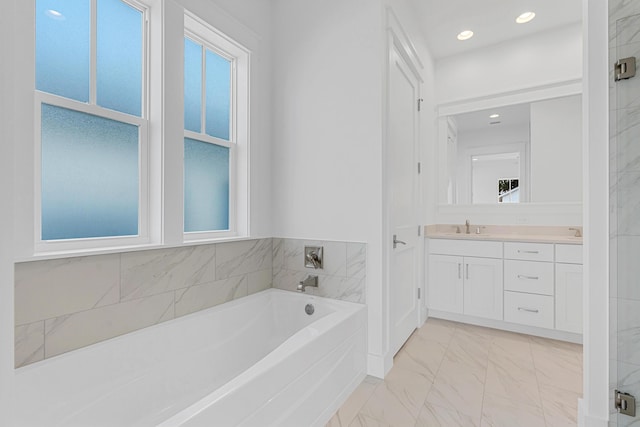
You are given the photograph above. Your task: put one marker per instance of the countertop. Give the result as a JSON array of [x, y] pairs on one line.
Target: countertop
[[508, 233]]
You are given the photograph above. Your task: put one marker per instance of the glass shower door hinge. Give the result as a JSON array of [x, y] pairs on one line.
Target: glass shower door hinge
[[625, 68], [625, 403]]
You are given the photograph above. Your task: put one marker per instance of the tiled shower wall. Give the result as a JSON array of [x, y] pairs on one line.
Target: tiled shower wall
[[342, 276], [62, 305], [624, 350]]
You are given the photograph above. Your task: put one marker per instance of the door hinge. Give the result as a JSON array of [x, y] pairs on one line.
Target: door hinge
[[625, 403], [418, 293], [419, 103], [625, 68], [419, 167]]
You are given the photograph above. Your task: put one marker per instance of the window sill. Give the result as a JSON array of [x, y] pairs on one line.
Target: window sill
[[43, 256]]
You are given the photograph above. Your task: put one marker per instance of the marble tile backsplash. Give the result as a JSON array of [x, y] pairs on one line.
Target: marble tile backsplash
[[66, 304], [343, 275]]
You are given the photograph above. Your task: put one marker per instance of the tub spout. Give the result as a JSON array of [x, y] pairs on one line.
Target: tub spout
[[309, 281]]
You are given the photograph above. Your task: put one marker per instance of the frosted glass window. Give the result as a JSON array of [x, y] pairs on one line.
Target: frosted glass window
[[206, 186], [90, 175], [62, 48], [218, 96], [192, 86], [119, 57]]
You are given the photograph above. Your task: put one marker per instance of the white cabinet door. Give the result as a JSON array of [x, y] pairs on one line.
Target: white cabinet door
[[483, 287], [569, 297], [444, 290]]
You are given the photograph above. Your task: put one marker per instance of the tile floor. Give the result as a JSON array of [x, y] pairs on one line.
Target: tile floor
[[452, 374]]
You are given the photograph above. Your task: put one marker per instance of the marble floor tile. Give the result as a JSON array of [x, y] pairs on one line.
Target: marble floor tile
[[349, 410], [453, 374], [499, 411], [438, 330], [421, 356], [386, 407], [436, 416], [456, 383]]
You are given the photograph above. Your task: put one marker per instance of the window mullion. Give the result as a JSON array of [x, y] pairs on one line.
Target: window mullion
[[93, 61], [203, 101]]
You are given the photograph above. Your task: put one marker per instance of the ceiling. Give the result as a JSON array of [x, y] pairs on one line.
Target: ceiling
[[510, 116], [492, 21]]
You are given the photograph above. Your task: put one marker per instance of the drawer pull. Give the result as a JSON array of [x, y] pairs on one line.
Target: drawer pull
[[529, 310], [521, 276], [528, 252]]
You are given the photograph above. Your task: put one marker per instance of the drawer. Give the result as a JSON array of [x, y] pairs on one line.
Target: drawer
[[474, 248], [529, 276], [570, 254], [528, 309], [529, 251]]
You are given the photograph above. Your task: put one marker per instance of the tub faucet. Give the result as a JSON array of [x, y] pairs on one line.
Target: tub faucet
[[467, 224], [309, 281]]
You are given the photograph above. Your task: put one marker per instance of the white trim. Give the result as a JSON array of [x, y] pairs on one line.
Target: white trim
[[533, 94], [144, 186], [596, 213], [379, 365], [212, 39], [506, 326]]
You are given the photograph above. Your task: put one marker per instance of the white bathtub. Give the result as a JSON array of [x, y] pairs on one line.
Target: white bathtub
[[257, 361]]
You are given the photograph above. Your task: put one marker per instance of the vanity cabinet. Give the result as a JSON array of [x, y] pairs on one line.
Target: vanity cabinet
[[518, 286], [568, 293], [529, 284], [467, 284]]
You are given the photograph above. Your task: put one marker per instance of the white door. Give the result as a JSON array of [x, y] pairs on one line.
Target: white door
[[402, 166], [445, 283], [483, 287]]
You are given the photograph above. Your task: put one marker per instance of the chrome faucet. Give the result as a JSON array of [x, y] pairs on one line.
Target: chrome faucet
[[309, 281], [467, 224]]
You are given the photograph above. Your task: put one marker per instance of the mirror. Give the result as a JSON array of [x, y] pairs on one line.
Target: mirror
[[529, 152]]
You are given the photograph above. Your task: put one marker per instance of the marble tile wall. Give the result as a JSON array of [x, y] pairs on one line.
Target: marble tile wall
[[343, 275], [65, 304], [624, 41]]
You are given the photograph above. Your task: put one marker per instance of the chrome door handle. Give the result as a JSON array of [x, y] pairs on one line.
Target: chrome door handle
[[459, 273], [530, 310], [396, 241], [528, 252]]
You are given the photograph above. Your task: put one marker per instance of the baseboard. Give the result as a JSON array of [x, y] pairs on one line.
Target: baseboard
[[379, 365], [589, 421], [506, 326]]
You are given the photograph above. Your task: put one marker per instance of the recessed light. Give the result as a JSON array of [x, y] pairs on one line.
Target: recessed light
[[51, 13], [494, 116], [525, 17], [465, 35]]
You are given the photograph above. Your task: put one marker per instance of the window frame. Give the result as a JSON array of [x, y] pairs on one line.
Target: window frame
[[91, 107], [211, 39]]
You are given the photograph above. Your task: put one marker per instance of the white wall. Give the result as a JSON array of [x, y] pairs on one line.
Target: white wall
[[327, 177], [543, 59], [556, 150], [328, 111]]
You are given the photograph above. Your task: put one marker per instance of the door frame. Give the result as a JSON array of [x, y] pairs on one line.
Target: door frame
[[397, 36]]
